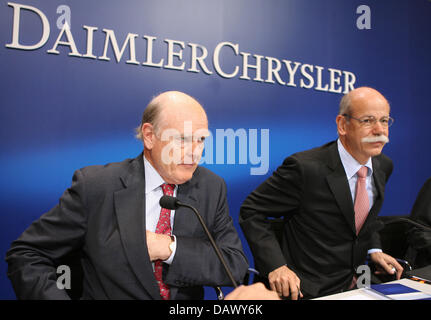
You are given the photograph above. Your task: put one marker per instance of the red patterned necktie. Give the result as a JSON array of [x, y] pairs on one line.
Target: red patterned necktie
[[362, 202], [163, 227]]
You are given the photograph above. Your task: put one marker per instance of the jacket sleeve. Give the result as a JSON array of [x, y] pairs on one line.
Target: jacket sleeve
[[34, 257], [196, 263], [278, 196]]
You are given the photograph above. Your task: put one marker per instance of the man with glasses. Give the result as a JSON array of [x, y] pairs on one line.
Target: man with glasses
[[329, 198]]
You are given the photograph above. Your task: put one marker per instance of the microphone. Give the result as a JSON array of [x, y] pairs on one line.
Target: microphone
[[173, 203], [168, 202]]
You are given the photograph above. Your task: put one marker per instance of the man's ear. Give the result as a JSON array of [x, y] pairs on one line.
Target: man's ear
[[148, 135], [341, 125]]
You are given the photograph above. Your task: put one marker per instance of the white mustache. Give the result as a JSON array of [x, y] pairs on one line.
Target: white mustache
[[381, 138]]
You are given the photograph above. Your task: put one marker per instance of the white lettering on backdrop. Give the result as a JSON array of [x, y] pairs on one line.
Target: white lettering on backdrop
[[183, 56]]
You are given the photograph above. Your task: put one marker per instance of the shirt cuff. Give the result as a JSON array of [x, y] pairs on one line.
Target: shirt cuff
[[374, 250], [171, 257]]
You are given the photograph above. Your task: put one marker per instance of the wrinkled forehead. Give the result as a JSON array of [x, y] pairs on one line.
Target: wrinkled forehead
[[370, 105], [185, 120]]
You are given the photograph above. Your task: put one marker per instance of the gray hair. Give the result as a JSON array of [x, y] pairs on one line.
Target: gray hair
[[151, 115], [345, 104]]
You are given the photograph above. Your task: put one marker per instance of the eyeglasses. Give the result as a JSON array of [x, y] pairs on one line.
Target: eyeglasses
[[370, 121]]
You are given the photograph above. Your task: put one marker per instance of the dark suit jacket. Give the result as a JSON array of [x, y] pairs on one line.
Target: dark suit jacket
[[419, 239], [103, 215], [310, 190]]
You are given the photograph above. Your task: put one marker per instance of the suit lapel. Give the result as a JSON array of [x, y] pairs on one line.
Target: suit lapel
[[184, 220], [130, 212], [337, 181], [379, 178], [379, 182], [339, 186]]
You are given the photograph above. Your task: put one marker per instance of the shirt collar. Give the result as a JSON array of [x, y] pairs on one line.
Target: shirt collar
[[153, 179], [351, 166]]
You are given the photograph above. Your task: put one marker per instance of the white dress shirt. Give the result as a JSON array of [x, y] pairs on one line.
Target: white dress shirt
[[153, 193], [351, 167]]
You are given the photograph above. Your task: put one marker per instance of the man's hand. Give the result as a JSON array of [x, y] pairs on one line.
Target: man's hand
[[387, 264], [285, 282], [158, 246]]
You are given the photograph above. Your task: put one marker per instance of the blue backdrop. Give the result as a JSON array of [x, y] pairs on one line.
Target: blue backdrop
[[64, 106]]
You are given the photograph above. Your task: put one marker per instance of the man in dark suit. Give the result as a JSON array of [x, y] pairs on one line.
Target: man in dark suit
[[326, 233], [130, 247], [419, 236]]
